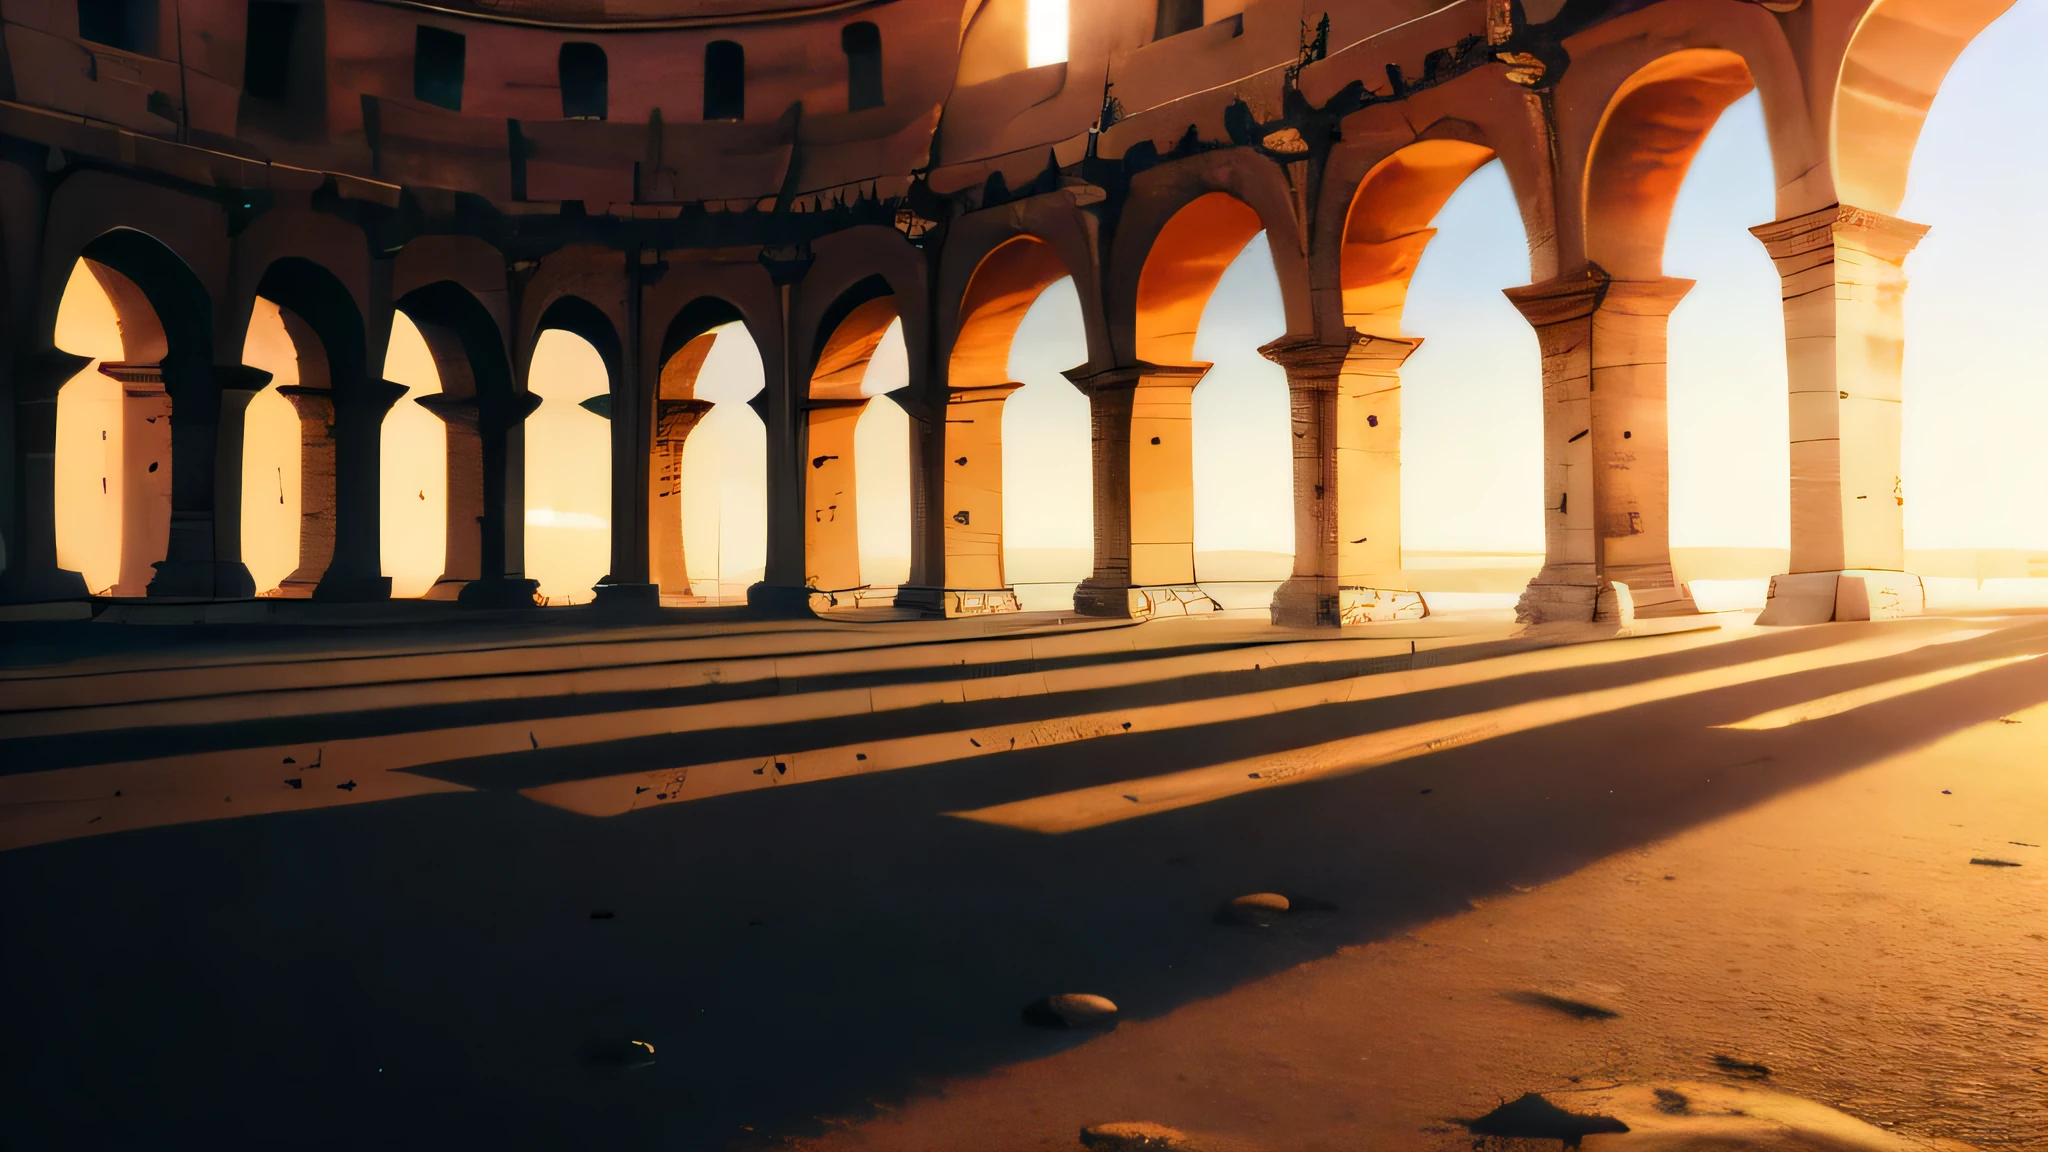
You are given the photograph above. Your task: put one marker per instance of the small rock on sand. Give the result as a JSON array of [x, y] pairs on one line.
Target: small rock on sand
[[1070, 1010], [1257, 908], [1135, 1136]]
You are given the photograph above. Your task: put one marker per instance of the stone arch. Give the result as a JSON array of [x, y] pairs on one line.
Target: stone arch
[[1002, 288], [1187, 258], [482, 408], [849, 332], [341, 401], [1652, 127], [686, 342], [1896, 59], [570, 475]]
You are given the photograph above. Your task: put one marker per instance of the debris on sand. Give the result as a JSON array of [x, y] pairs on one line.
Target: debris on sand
[[1672, 1103], [616, 1053], [1258, 908], [1135, 1136], [1070, 1010], [1741, 1069], [1994, 862], [1576, 1009], [1534, 1118]]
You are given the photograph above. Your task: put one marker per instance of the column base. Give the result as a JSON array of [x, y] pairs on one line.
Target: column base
[[1851, 594], [779, 601], [953, 603], [352, 589], [201, 580], [630, 598], [47, 587], [1142, 602], [1307, 602], [498, 592], [1619, 603], [1551, 603]]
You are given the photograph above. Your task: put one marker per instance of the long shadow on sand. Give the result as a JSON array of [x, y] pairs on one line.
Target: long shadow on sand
[[430, 974]]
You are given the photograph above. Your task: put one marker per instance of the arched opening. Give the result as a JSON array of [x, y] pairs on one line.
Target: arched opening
[[1440, 406], [1614, 466], [862, 43], [585, 77], [708, 540], [1049, 525], [413, 484], [1187, 260], [725, 81], [149, 444], [272, 445], [857, 454], [482, 415], [439, 59], [568, 495], [99, 501], [1242, 438], [1730, 510], [999, 297], [1972, 473]]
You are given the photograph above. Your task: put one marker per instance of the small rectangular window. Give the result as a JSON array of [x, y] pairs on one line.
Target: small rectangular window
[[266, 64], [437, 57], [862, 44], [585, 75], [725, 81], [1176, 17], [129, 25]]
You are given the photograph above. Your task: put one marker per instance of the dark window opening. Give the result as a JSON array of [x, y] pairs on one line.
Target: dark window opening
[[862, 43], [586, 77], [725, 81], [266, 68], [1176, 17], [437, 66], [129, 25]]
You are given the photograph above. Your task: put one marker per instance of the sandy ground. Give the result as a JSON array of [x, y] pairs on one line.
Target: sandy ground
[[844, 964], [1838, 935]]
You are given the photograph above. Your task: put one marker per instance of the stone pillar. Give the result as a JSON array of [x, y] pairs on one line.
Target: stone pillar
[[630, 583], [315, 407], [1144, 491], [1606, 447], [971, 579], [1346, 407], [145, 473], [463, 556], [782, 590], [355, 571], [203, 558], [674, 420], [1844, 278], [32, 575], [831, 522]]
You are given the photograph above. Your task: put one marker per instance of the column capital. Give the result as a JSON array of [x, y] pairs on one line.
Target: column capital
[[1889, 238], [317, 403], [1575, 295], [975, 393], [673, 419], [1126, 376], [1658, 297], [40, 375], [462, 410], [1309, 354], [240, 378], [135, 378]]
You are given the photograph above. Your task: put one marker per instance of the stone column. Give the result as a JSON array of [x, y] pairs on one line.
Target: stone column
[[1346, 407], [831, 521], [630, 583], [203, 558], [971, 580], [782, 590], [1144, 491], [1844, 278], [1606, 447], [145, 472], [501, 516], [315, 407], [356, 568], [32, 575], [463, 556], [674, 420]]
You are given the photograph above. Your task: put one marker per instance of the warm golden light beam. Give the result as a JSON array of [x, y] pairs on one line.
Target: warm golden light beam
[[626, 792], [1841, 702], [1084, 808]]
